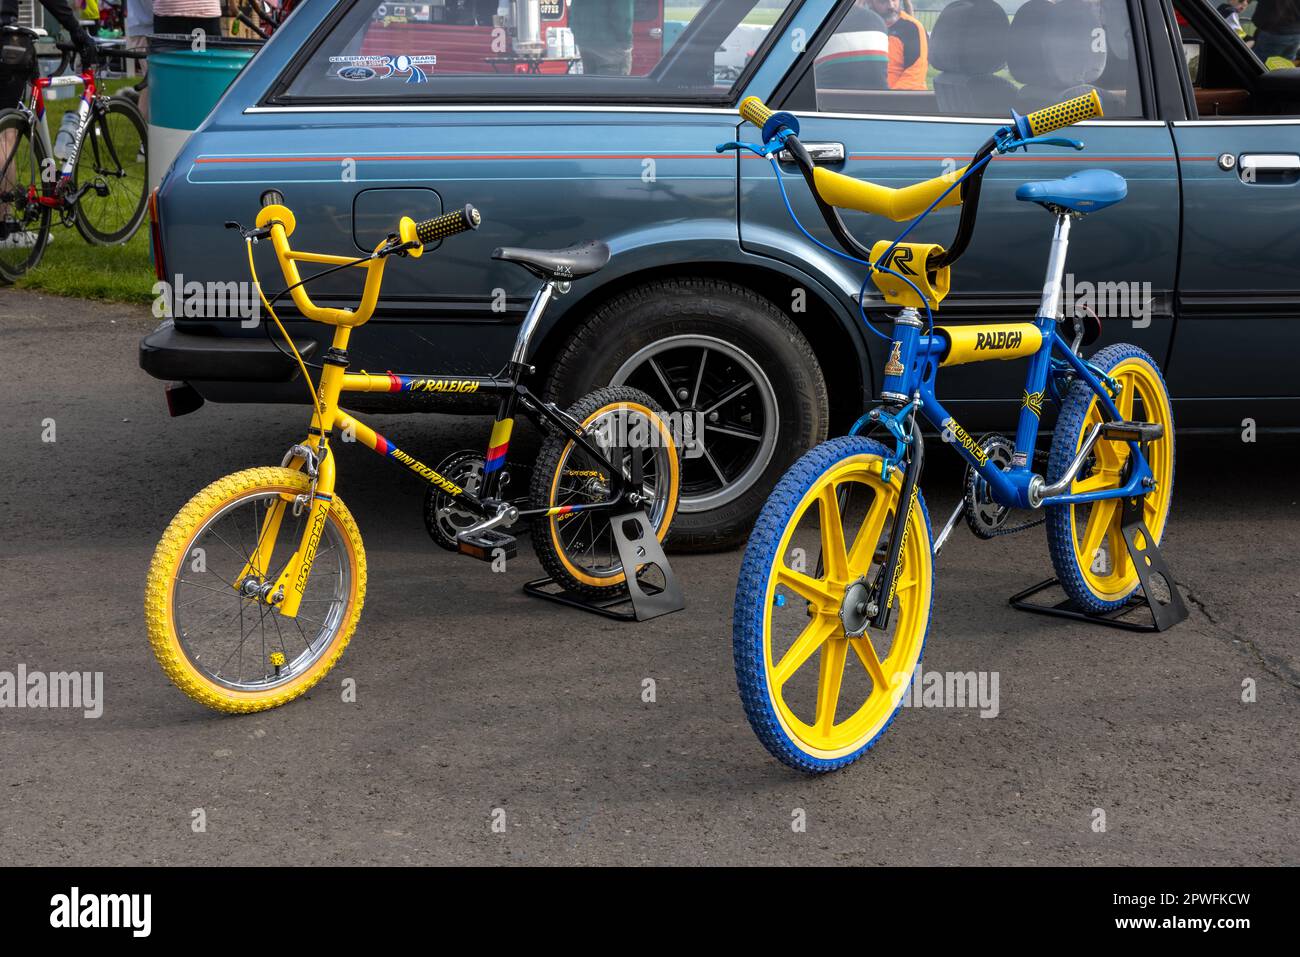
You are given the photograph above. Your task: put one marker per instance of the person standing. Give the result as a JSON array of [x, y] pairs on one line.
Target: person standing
[[186, 16], [603, 31], [1277, 29], [909, 47], [139, 24]]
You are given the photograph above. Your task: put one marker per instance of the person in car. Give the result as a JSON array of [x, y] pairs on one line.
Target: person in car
[[909, 53], [1277, 29], [603, 32], [857, 56]]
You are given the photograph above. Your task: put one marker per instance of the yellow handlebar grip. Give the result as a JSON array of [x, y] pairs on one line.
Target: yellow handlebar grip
[[448, 224], [754, 110], [1064, 114]]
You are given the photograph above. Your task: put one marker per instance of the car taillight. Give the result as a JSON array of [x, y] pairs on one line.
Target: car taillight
[[155, 238]]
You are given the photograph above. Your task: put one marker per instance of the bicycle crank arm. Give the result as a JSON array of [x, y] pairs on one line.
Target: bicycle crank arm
[[882, 594]]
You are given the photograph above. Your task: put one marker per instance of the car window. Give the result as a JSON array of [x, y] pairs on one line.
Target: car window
[[1225, 84], [977, 57], [536, 49]]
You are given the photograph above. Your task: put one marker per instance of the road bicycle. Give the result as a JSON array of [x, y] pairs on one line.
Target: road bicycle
[[101, 186], [834, 599], [257, 584]]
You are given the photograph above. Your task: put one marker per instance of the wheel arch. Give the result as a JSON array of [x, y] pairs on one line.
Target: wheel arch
[[827, 325]]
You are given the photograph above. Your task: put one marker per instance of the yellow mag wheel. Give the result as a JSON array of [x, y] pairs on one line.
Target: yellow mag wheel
[[818, 684], [212, 635], [575, 544], [1086, 543]]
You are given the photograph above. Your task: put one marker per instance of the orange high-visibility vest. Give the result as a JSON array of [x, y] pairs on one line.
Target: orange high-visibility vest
[[907, 37]]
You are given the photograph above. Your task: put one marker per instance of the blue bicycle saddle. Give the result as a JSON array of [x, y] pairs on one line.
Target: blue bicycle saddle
[[1084, 192]]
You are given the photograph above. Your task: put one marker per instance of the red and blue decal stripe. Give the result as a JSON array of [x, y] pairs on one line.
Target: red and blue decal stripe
[[498, 445]]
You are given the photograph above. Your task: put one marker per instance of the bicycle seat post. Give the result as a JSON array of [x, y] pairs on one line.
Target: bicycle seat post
[[1050, 306], [527, 328]]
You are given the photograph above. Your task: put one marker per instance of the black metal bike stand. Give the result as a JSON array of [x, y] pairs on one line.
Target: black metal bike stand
[[1150, 564], [638, 548]]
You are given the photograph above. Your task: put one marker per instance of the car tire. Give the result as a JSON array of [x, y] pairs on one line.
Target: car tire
[[657, 338]]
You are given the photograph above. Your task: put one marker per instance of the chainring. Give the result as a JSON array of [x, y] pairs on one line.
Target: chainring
[[986, 518], [443, 517]]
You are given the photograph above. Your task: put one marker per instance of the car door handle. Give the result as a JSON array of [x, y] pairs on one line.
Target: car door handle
[[822, 154], [1269, 167]]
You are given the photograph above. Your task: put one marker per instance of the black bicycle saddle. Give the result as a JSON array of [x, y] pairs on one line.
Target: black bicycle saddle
[[557, 265]]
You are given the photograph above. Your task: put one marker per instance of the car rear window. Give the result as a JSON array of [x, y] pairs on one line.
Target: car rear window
[[376, 51]]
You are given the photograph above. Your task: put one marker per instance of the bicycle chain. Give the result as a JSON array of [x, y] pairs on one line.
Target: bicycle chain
[[989, 443]]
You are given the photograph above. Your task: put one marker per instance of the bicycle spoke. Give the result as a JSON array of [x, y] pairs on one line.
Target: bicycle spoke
[[810, 639], [830, 675]]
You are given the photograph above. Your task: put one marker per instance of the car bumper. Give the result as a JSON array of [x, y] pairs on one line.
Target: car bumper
[[170, 354]]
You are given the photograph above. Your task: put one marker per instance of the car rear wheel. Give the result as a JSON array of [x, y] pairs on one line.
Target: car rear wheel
[[736, 376]]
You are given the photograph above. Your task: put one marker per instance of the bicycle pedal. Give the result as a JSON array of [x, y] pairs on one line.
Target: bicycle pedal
[[1132, 431], [487, 545]]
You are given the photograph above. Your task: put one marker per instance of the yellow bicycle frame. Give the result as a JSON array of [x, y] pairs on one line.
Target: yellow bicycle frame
[[326, 415]]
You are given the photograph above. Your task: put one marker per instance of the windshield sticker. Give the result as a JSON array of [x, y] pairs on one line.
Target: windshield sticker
[[415, 69], [356, 73]]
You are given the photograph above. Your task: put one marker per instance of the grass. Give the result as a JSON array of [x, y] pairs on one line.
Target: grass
[[73, 267]]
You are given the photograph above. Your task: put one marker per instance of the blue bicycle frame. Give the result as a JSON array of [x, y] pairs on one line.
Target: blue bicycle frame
[[920, 355]]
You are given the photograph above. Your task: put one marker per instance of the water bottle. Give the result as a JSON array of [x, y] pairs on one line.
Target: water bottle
[[67, 134]]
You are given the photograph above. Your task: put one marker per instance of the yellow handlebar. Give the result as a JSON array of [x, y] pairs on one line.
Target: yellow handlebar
[[754, 110], [279, 219], [1064, 114], [906, 202]]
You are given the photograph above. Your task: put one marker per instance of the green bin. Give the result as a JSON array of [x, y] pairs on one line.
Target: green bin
[[184, 85]]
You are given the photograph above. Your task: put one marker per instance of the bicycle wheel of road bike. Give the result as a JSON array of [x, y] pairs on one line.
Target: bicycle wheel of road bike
[[1086, 543], [24, 226], [112, 160], [577, 547], [214, 639], [801, 608]]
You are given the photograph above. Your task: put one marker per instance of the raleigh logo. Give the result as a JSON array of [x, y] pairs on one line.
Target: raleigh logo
[[895, 364], [898, 261], [74, 910], [1003, 339], [443, 385]]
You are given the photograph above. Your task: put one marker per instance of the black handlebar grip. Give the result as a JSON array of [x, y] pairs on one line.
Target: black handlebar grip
[[448, 224], [272, 197]]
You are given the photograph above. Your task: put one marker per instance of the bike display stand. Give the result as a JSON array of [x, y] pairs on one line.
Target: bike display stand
[[1150, 564], [637, 548]]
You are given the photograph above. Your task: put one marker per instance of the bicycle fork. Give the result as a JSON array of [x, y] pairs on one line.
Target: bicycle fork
[[886, 584], [313, 455]]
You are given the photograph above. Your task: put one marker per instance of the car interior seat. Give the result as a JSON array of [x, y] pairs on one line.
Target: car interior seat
[[969, 46], [1057, 50]]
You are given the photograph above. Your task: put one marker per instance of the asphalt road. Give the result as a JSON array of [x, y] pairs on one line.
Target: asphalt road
[[472, 697]]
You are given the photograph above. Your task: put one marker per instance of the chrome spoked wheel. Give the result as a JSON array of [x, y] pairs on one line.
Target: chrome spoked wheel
[[225, 629]]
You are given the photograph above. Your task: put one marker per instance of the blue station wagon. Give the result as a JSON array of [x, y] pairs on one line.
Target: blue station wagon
[[570, 120]]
